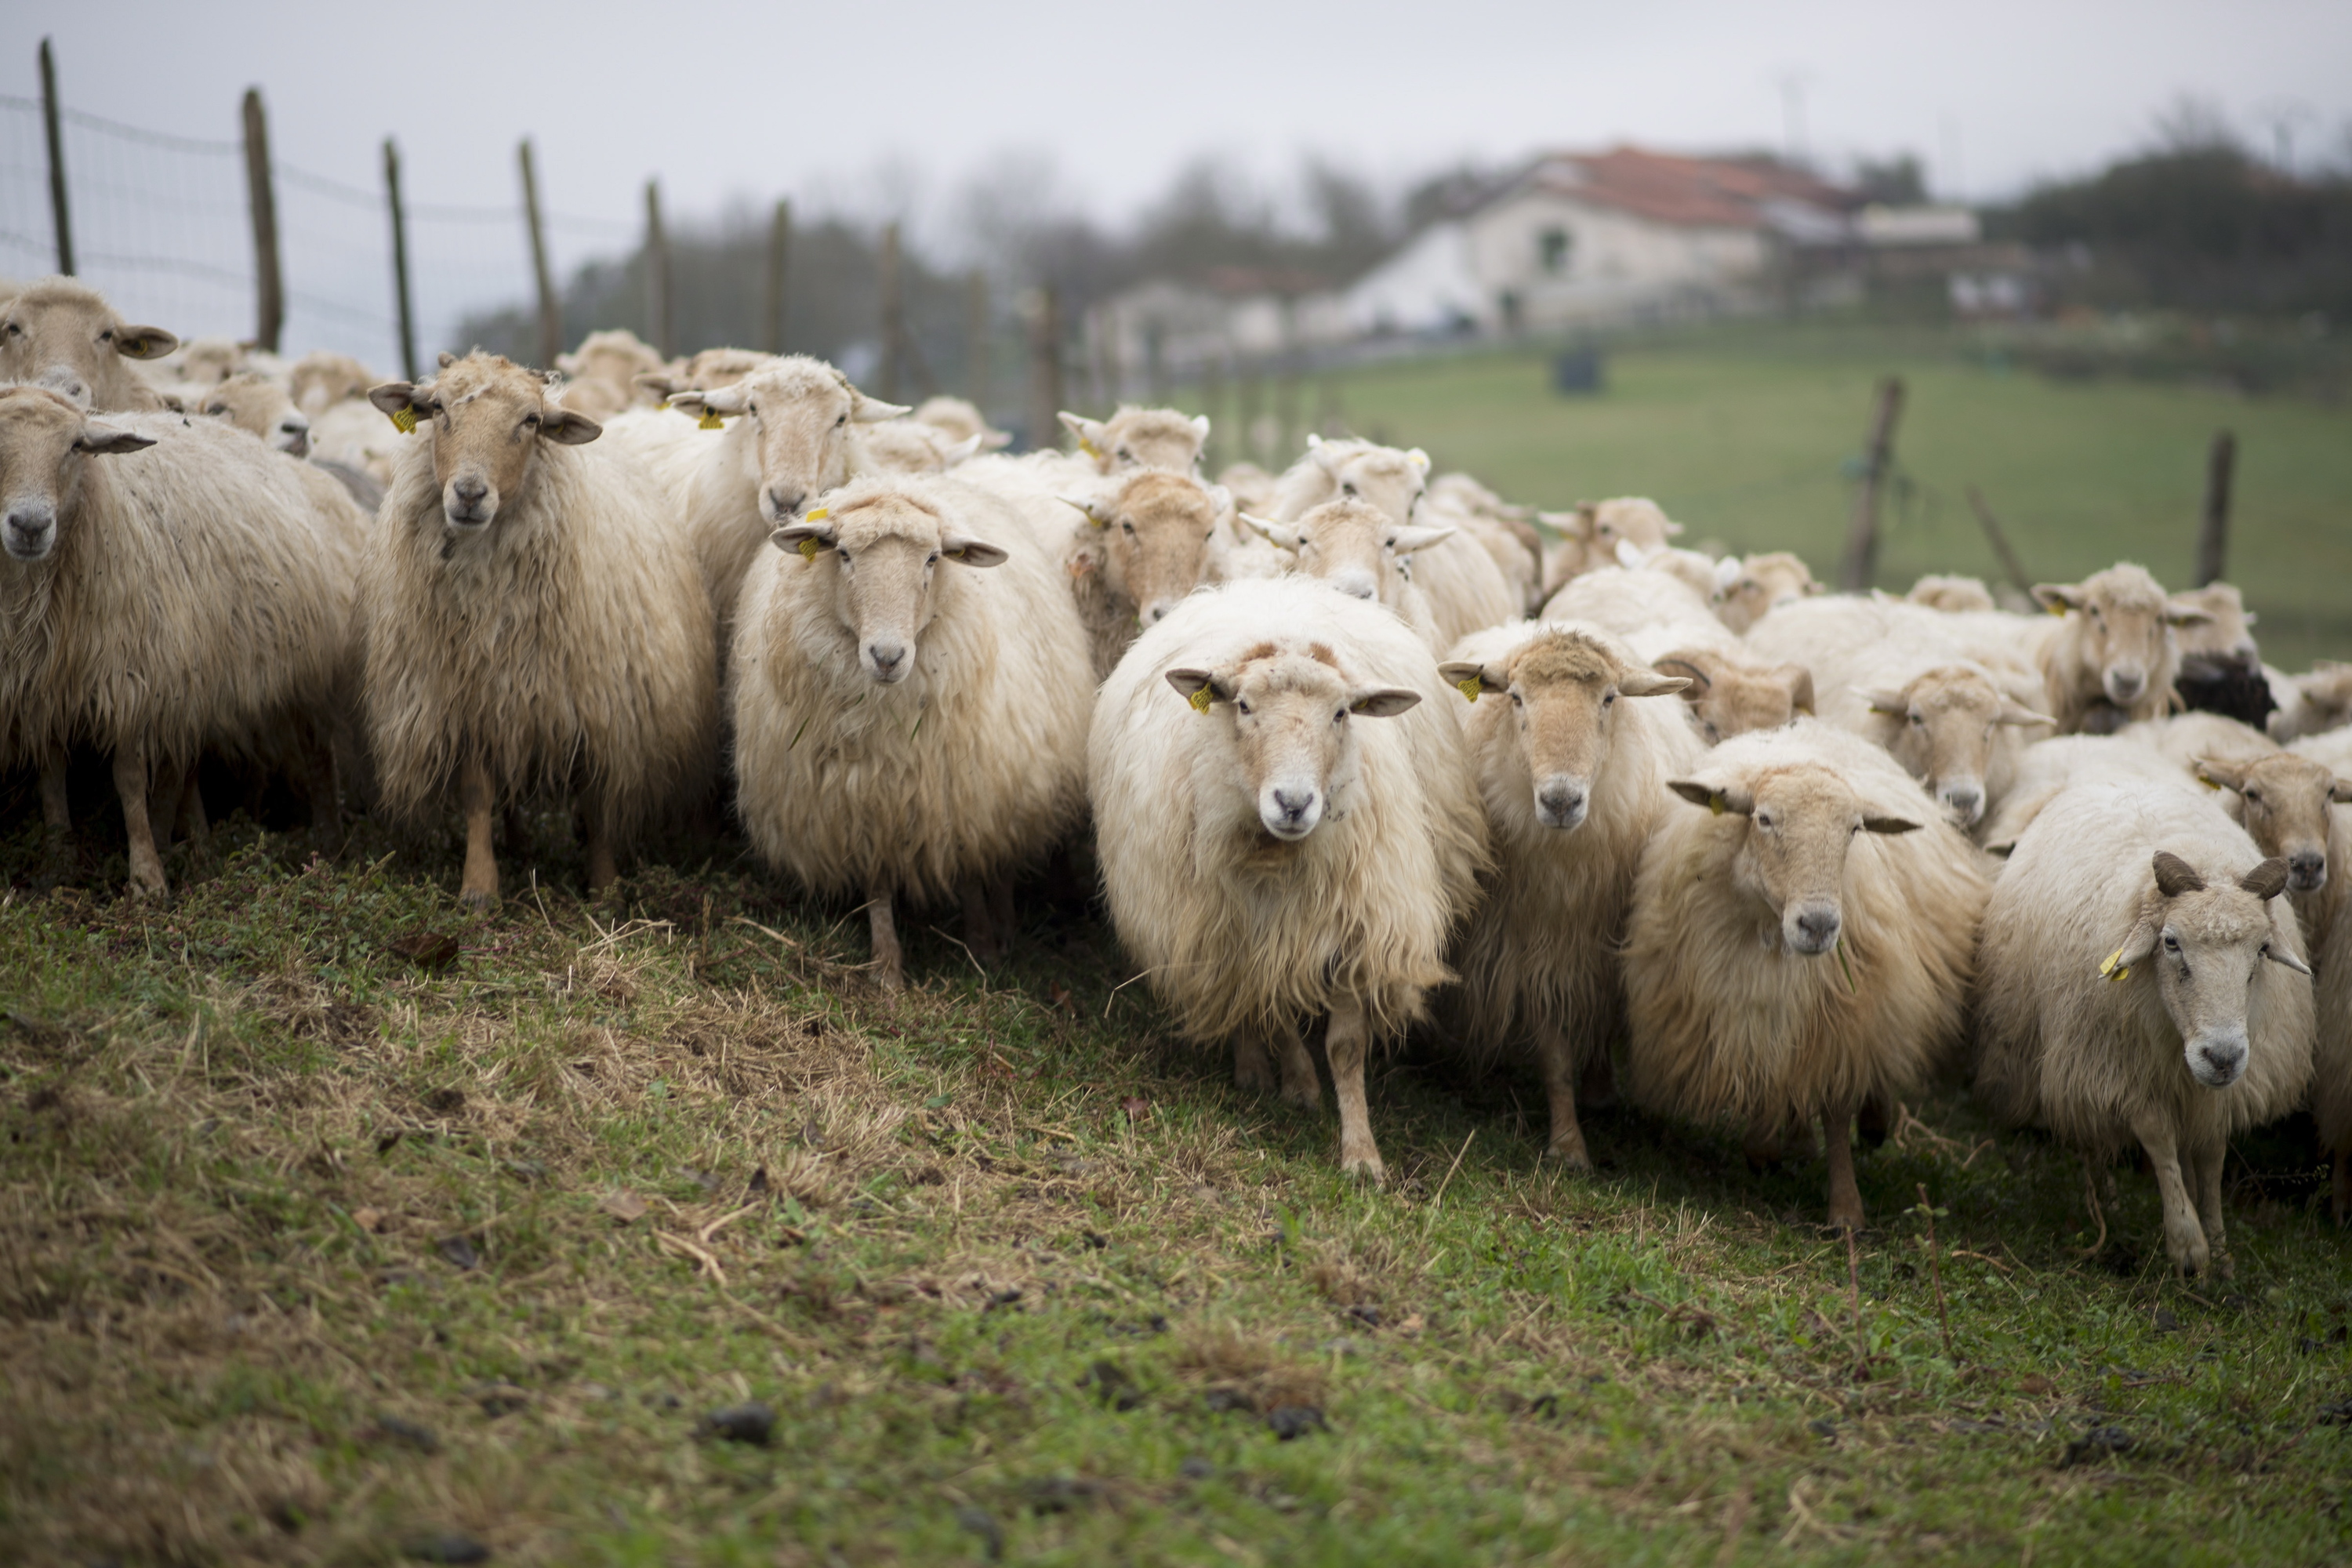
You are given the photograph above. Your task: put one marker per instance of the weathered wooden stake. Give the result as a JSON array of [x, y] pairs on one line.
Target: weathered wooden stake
[[661, 319], [893, 323], [261, 199], [550, 308], [780, 252], [1999, 538], [1045, 370], [975, 339], [402, 306], [1862, 538], [58, 215], [2213, 531]]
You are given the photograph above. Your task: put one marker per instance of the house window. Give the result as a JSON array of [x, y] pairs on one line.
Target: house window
[[1553, 247]]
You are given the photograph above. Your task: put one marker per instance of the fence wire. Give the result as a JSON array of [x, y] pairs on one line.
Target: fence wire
[[160, 224]]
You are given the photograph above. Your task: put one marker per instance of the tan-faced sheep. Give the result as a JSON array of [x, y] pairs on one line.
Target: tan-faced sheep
[[319, 380], [2047, 769], [1670, 627], [603, 371], [1141, 544], [1502, 529], [63, 334], [1252, 487], [1136, 437], [1360, 551], [1592, 535], [962, 421], [2113, 657], [2311, 703], [1951, 595], [155, 603], [1287, 828], [534, 622], [2123, 993], [908, 725], [1750, 588], [1573, 775], [1800, 942], [911, 447], [1467, 592], [707, 369], [261, 408]]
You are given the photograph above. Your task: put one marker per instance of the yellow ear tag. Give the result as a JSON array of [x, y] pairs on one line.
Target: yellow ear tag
[[1202, 698], [1469, 687], [2058, 610], [809, 547], [2112, 968], [403, 419], [1715, 805], [1087, 447], [709, 421]]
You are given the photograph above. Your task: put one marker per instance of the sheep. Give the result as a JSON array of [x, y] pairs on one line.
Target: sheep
[[1590, 536], [64, 334], [155, 603], [2114, 657], [962, 420], [1754, 587], [706, 371], [911, 447], [2123, 993], [1500, 529], [907, 724], [1269, 851], [1140, 545], [1789, 957], [1136, 437], [603, 371], [1573, 782], [1467, 592], [319, 380], [2220, 668], [1252, 487], [1359, 550], [1671, 629], [797, 438], [260, 407], [533, 620], [2311, 703], [1950, 593]]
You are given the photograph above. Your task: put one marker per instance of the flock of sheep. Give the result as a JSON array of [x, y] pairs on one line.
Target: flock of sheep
[[1356, 745]]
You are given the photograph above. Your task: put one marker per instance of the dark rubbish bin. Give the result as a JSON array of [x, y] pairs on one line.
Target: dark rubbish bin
[[1576, 372]]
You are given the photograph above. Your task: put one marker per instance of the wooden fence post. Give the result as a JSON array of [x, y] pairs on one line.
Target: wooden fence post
[[779, 251], [404, 309], [550, 308], [661, 319], [886, 287], [2213, 531], [975, 340], [60, 217], [1045, 370], [1999, 537], [268, 281], [1862, 537]]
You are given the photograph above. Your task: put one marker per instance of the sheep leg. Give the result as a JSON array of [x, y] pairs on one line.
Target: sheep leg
[[1846, 1197], [2184, 1237], [1559, 1060], [889, 961], [1252, 1070], [978, 924], [514, 827], [475, 799], [1871, 1119], [317, 760], [192, 820], [601, 871], [56, 815], [1763, 1144], [1001, 911], [1300, 1088], [164, 795], [2206, 1159], [1345, 1042], [2341, 1188], [130, 787], [1597, 1089]]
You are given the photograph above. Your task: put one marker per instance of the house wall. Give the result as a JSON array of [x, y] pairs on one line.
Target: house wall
[[1614, 261]]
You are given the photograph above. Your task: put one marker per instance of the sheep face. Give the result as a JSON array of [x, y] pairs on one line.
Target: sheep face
[[1801, 821], [883, 554], [43, 438], [1293, 715], [1380, 476], [962, 421], [2224, 637], [1950, 594], [1728, 697], [1356, 547], [1136, 438], [2285, 799], [616, 357], [260, 407], [2204, 942], [1155, 532], [319, 381], [488, 416], [803, 408], [1944, 737], [1760, 585], [2127, 627], [67, 337], [1636, 520], [1563, 689], [707, 371]]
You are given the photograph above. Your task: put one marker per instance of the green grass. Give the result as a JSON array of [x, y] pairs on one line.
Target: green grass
[[695, 1160], [1746, 435]]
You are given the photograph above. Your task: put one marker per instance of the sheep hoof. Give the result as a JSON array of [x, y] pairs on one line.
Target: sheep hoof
[[1308, 1098], [1846, 1218], [1365, 1168], [890, 980], [1254, 1077], [1571, 1157], [478, 901]]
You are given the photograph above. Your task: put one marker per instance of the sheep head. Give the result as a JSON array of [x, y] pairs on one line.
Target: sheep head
[[1945, 722], [2284, 800], [1142, 438], [260, 407], [488, 417], [2203, 937], [1382, 476], [1292, 711], [2125, 625], [882, 544], [803, 410], [1562, 689], [321, 379], [1354, 546], [1951, 595], [1799, 823], [1760, 585], [64, 335], [1729, 695], [1155, 529], [44, 437]]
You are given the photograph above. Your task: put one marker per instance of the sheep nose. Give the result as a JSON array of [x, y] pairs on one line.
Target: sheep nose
[[783, 503], [1817, 928], [1560, 803], [2125, 681], [1294, 804], [1156, 611], [2220, 1061], [2307, 871], [469, 492], [1966, 800], [886, 657]]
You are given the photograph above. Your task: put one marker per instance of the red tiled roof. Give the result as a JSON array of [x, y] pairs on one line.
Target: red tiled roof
[[1666, 187]]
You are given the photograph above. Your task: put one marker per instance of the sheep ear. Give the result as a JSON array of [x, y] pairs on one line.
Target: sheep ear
[[1279, 535], [2280, 955], [2267, 880], [2339, 792], [793, 535], [1409, 540], [2186, 615], [1087, 431], [1418, 458], [1569, 524], [1889, 825], [447, 359], [873, 410], [1382, 702], [1801, 687], [1894, 704], [2136, 948], [2175, 876], [2015, 712], [144, 343], [971, 552], [1097, 511], [1462, 674], [965, 449], [2219, 774], [101, 440], [1650, 683], [1201, 428], [1629, 554], [569, 427], [1695, 682], [1717, 798], [1200, 687], [659, 383], [393, 396], [1726, 574], [2058, 597], [1673, 528]]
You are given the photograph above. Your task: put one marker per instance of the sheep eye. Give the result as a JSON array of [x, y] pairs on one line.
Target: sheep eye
[[1125, 456], [1517, 701], [934, 559], [837, 424], [1348, 487], [1919, 721], [107, 336], [2253, 797], [843, 553], [1607, 699], [530, 418], [1341, 715], [1127, 527], [1241, 707], [2171, 943]]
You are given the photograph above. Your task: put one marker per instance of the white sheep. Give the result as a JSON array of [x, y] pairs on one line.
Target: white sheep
[[962, 420], [534, 622], [1501, 530], [2123, 996], [1592, 535], [1672, 630], [319, 380], [1290, 831], [166, 591], [907, 725], [1951, 595], [261, 408], [1800, 942], [1573, 775], [1360, 551], [706, 370], [603, 371], [2112, 658], [63, 334], [1136, 437], [2311, 703], [1141, 542], [1750, 589]]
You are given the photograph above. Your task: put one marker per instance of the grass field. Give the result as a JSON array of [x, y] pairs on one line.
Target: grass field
[[1745, 434]]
